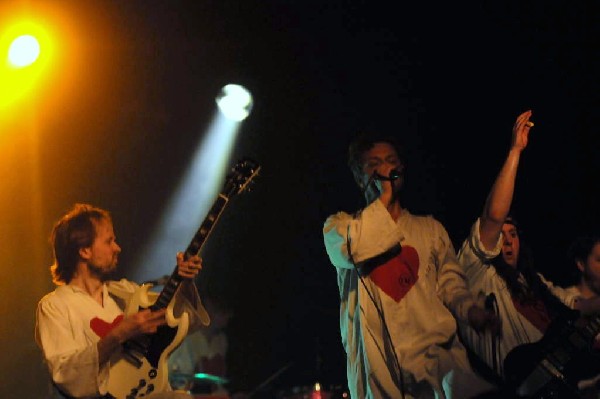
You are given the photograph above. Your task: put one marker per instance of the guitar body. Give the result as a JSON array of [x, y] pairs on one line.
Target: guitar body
[[551, 367], [141, 366]]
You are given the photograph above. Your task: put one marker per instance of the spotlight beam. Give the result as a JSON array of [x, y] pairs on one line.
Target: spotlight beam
[[195, 194]]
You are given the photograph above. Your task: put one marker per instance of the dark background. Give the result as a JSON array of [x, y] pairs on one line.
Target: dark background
[[448, 78]]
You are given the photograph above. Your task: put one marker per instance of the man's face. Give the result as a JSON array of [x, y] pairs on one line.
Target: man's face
[[381, 158], [591, 269], [511, 244], [102, 256]]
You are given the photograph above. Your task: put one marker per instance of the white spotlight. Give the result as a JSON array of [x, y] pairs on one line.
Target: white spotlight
[[23, 51], [199, 186], [235, 102]]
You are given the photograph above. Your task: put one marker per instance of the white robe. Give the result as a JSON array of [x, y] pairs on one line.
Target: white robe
[[420, 292]]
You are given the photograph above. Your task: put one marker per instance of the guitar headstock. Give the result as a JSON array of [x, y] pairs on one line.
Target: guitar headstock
[[241, 175]]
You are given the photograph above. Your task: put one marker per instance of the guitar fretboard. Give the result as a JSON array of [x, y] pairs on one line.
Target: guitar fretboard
[[170, 288]]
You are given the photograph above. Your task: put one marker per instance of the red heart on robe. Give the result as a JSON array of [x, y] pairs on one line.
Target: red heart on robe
[[101, 327], [399, 274]]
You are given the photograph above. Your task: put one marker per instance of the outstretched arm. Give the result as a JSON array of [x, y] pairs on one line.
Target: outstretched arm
[[500, 197]]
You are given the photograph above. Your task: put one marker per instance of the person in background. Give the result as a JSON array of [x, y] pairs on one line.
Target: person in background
[[400, 288], [81, 324], [584, 254]]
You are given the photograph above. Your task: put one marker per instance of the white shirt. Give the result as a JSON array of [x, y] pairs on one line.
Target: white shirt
[[69, 324], [414, 290]]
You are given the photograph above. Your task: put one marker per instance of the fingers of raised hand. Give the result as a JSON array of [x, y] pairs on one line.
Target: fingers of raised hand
[[523, 121]]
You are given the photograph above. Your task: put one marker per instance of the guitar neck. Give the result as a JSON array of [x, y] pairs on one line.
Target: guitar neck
[[236, 182], [194, 248]]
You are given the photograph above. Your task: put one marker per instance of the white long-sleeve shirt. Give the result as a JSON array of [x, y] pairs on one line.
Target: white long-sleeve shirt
[[483, 280], [69, 324], [414, 290]]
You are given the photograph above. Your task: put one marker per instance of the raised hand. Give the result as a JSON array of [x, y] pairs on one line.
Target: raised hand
[[521, 129]]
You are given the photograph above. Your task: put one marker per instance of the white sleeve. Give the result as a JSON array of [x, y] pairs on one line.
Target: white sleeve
[[73, 365], [370, 233], [473, 257], [187, 299], [452, 284], [567, 296]]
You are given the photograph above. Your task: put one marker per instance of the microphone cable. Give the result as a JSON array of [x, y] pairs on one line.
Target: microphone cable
[[387, 336], [492, 305]]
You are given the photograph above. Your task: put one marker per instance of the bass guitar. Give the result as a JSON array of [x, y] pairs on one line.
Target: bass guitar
[[552, 366], [141, 366]]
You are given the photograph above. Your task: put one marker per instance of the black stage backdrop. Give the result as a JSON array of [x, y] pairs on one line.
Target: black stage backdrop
[[448, 77]]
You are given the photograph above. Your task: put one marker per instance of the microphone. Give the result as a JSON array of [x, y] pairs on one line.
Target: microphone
[[394, 175]]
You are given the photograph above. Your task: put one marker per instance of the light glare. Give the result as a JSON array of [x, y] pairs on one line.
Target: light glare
[[26, 52], [23, 51], [235, 102]]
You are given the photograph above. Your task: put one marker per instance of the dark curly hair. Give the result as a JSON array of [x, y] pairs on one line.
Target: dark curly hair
[[534, 288]]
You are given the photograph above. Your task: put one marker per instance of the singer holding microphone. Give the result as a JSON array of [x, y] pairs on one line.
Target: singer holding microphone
[[401, 288]]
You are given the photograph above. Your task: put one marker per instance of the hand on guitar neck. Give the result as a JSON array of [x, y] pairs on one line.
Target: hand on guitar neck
[[190, 267]]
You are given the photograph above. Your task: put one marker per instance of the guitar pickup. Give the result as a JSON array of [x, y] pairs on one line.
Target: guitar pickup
[[132, 351], [131, 358]]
